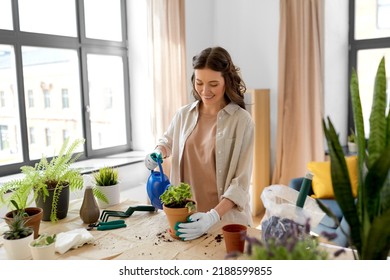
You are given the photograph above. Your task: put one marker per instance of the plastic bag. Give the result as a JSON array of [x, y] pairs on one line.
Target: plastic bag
[[280, 209]]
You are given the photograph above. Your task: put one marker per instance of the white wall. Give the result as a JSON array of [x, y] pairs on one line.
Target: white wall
[[249, 30]]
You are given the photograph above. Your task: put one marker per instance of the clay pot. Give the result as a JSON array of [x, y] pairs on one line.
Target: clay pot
[[34, 218], [234, 236], [175, 215]]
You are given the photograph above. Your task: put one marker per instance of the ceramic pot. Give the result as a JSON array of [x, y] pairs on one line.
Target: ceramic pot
[[33, 220], [352, 147], [62, 205], [18, 249], [175, 215], [112, 194], [46, 252], [234, 236]]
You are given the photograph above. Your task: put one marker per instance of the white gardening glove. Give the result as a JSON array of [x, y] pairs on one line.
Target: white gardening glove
[[151, 159], [199, 223]]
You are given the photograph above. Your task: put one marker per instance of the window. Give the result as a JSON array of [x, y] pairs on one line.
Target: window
[[65, 98], [369, 40], [2, 99], [30, 94], [68, 78]]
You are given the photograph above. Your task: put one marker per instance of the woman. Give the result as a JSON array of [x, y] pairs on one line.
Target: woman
[[210, 142]]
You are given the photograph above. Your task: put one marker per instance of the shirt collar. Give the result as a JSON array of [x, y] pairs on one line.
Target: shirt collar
[[230, 108]]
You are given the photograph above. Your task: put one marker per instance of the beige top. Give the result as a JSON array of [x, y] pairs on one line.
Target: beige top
[[198, 163]]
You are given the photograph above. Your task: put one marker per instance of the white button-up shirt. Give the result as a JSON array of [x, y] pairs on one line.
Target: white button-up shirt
[[234, 154]]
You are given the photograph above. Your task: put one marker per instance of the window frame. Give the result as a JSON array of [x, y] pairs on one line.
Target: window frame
[[83, 46], [354, 47]]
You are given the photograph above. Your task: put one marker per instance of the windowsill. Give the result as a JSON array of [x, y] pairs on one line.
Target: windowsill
[[91, 165]]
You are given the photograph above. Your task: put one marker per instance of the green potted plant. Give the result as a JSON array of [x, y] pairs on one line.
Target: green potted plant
[[48, 183], [17, 238], [352, 147], [43, 248], [177, 205], [295, 243], [369, 215], [32, 215], [106, 181]]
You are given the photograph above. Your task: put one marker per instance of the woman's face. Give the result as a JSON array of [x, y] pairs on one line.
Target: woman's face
[[210, 85]]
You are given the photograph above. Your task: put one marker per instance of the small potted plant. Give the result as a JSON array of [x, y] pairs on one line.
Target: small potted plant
[[48, 183], [106, 181], [17, 238], [352, 148], [43, 248], [32, 215], [177, 205], [292, 241]]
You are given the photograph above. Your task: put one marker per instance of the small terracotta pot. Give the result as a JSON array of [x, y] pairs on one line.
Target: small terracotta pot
[[175, 215], [234, 236], [33, 220]]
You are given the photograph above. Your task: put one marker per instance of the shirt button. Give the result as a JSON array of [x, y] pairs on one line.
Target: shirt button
[[219, 171], [219, 152]]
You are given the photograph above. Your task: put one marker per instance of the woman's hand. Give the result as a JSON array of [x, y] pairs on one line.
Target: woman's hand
[[198, 224]]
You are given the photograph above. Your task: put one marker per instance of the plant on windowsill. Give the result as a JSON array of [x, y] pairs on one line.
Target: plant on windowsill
[[177, 205], [48, 183], [369, 216]]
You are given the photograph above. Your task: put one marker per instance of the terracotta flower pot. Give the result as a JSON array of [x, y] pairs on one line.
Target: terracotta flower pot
[[234, 235], [175, 215], [34, 218]]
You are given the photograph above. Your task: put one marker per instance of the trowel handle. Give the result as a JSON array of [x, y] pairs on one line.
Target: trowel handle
[[149, 208]]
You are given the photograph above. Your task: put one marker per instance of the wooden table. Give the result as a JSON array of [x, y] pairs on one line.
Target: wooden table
[[144, 238]]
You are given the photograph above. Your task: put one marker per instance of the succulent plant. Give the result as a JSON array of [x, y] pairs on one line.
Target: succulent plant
[[17, 227]]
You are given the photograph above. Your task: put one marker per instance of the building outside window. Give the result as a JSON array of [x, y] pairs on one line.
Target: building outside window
[[78, 64], [65, 98]]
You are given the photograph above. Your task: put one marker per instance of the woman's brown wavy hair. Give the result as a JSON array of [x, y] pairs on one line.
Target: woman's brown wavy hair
[[218, 59]]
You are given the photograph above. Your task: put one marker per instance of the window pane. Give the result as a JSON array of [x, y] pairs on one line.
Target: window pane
[[10, 137], [372, 19], [103, 19], [106, 97], [6, 15], [48, 16], [46, 73], [367, 65]]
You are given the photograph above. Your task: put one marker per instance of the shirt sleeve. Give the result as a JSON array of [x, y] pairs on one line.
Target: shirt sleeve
[[238, 188]]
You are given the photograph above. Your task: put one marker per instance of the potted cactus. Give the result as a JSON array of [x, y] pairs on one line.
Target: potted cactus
[[17, 238], [177, 205]]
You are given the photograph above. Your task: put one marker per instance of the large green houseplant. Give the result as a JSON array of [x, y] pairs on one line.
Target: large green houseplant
[[46, 182], [369, 215]]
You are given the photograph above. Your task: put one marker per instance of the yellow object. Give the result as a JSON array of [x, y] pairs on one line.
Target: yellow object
[[322, 181]]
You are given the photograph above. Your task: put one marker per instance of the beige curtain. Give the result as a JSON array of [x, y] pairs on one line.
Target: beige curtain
[[300, 98], [168, 64]]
